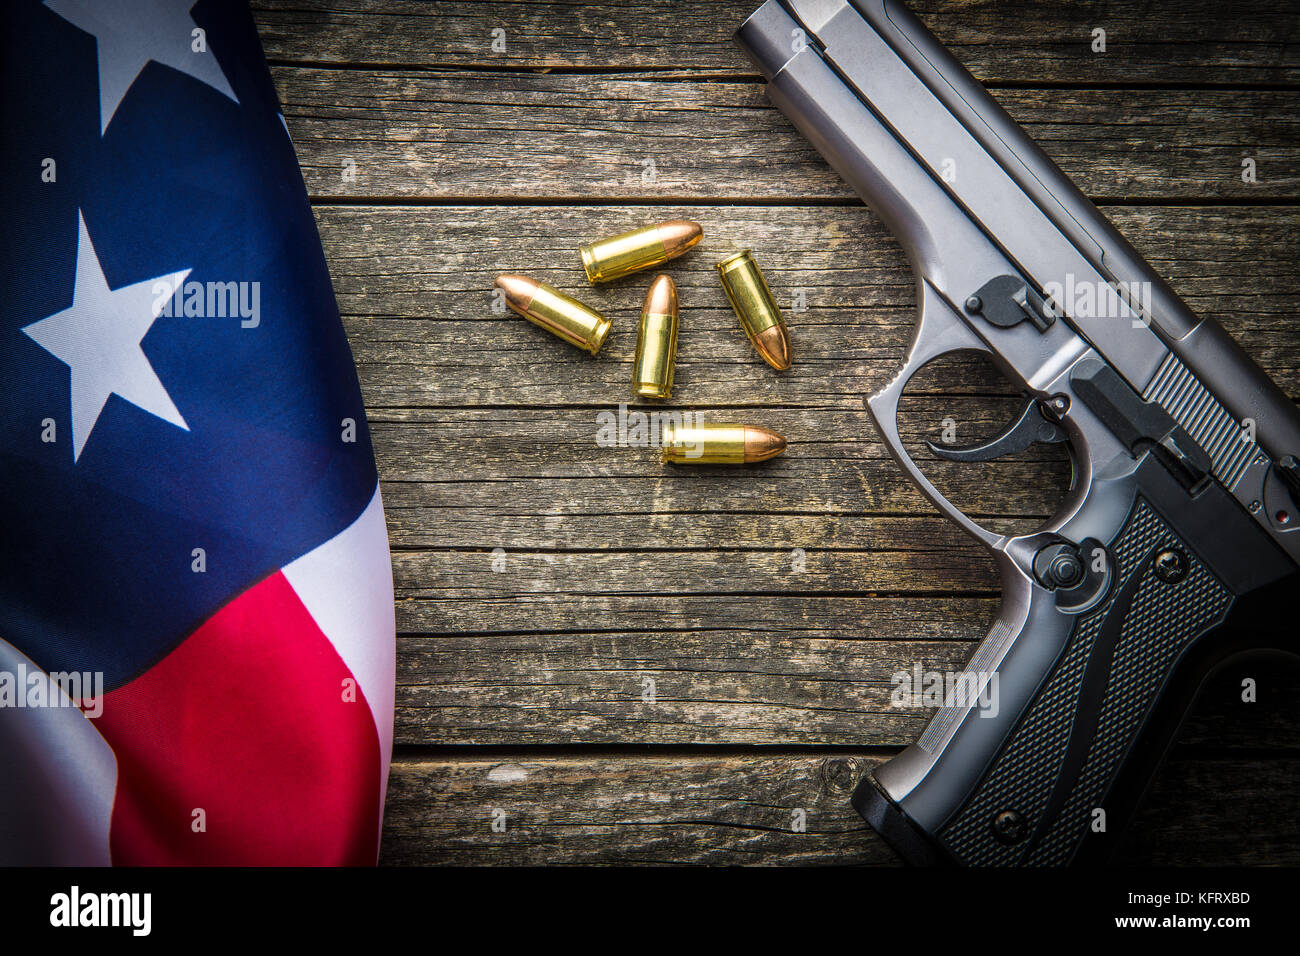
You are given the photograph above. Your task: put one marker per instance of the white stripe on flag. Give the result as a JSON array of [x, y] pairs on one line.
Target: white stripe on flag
[[347, 585], [57, 774]]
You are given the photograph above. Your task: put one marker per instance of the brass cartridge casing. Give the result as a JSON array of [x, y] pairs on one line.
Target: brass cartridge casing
[[719, 444], [554, 311], [759, 315], [656, 341], [639, 249]]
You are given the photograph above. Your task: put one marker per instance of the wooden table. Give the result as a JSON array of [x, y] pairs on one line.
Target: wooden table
[[618, 661]]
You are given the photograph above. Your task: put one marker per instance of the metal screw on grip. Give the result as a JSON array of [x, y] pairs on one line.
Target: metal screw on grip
[[1170, 565], [1010, 827]]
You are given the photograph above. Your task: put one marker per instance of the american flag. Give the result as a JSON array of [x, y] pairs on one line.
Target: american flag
[[196, 609]]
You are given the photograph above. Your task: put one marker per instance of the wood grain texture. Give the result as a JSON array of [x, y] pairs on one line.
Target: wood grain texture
[[623, 809], [729, 810], [646, 664], [828, 681], [415, 287], [1026, 42], [495, 136]]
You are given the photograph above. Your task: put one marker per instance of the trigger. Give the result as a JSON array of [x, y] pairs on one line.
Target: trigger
[[1028, 428]]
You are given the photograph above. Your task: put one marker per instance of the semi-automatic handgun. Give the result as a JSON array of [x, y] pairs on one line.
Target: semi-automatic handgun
[[1177, 544]]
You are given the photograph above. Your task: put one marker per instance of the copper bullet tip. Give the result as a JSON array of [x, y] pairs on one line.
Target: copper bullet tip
[[678, 235], [661, 299], [774, 345], [519, 290], [762, 443]]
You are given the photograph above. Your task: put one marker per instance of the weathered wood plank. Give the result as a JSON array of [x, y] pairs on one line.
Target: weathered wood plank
[[669, 574], [732, 687], [493, 136], [743, 810], [824, 680], [1028, 42], [415, 285], [721, 810], [474, 519], [554, 463], [844, 616]]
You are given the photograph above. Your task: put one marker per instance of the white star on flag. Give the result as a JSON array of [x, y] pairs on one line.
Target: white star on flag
[[98, 337], [130, 33]]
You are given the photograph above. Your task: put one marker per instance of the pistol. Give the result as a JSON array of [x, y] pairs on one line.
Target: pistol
[[1176, 545]]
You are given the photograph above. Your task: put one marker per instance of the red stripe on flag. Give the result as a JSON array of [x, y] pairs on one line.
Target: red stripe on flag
[[249, 720]]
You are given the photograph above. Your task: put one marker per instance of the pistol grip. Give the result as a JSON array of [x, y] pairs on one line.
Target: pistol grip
[[1089, 698]]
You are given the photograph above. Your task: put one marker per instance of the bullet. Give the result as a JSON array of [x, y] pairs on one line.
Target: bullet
[[752, 301], [656, 341], [719, 444], [554, 311], [639, 249]]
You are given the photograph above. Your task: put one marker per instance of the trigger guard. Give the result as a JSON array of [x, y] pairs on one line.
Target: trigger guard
[[940, 331]]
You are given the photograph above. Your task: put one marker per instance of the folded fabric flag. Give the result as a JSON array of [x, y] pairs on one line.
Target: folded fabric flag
[[196, 608]]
